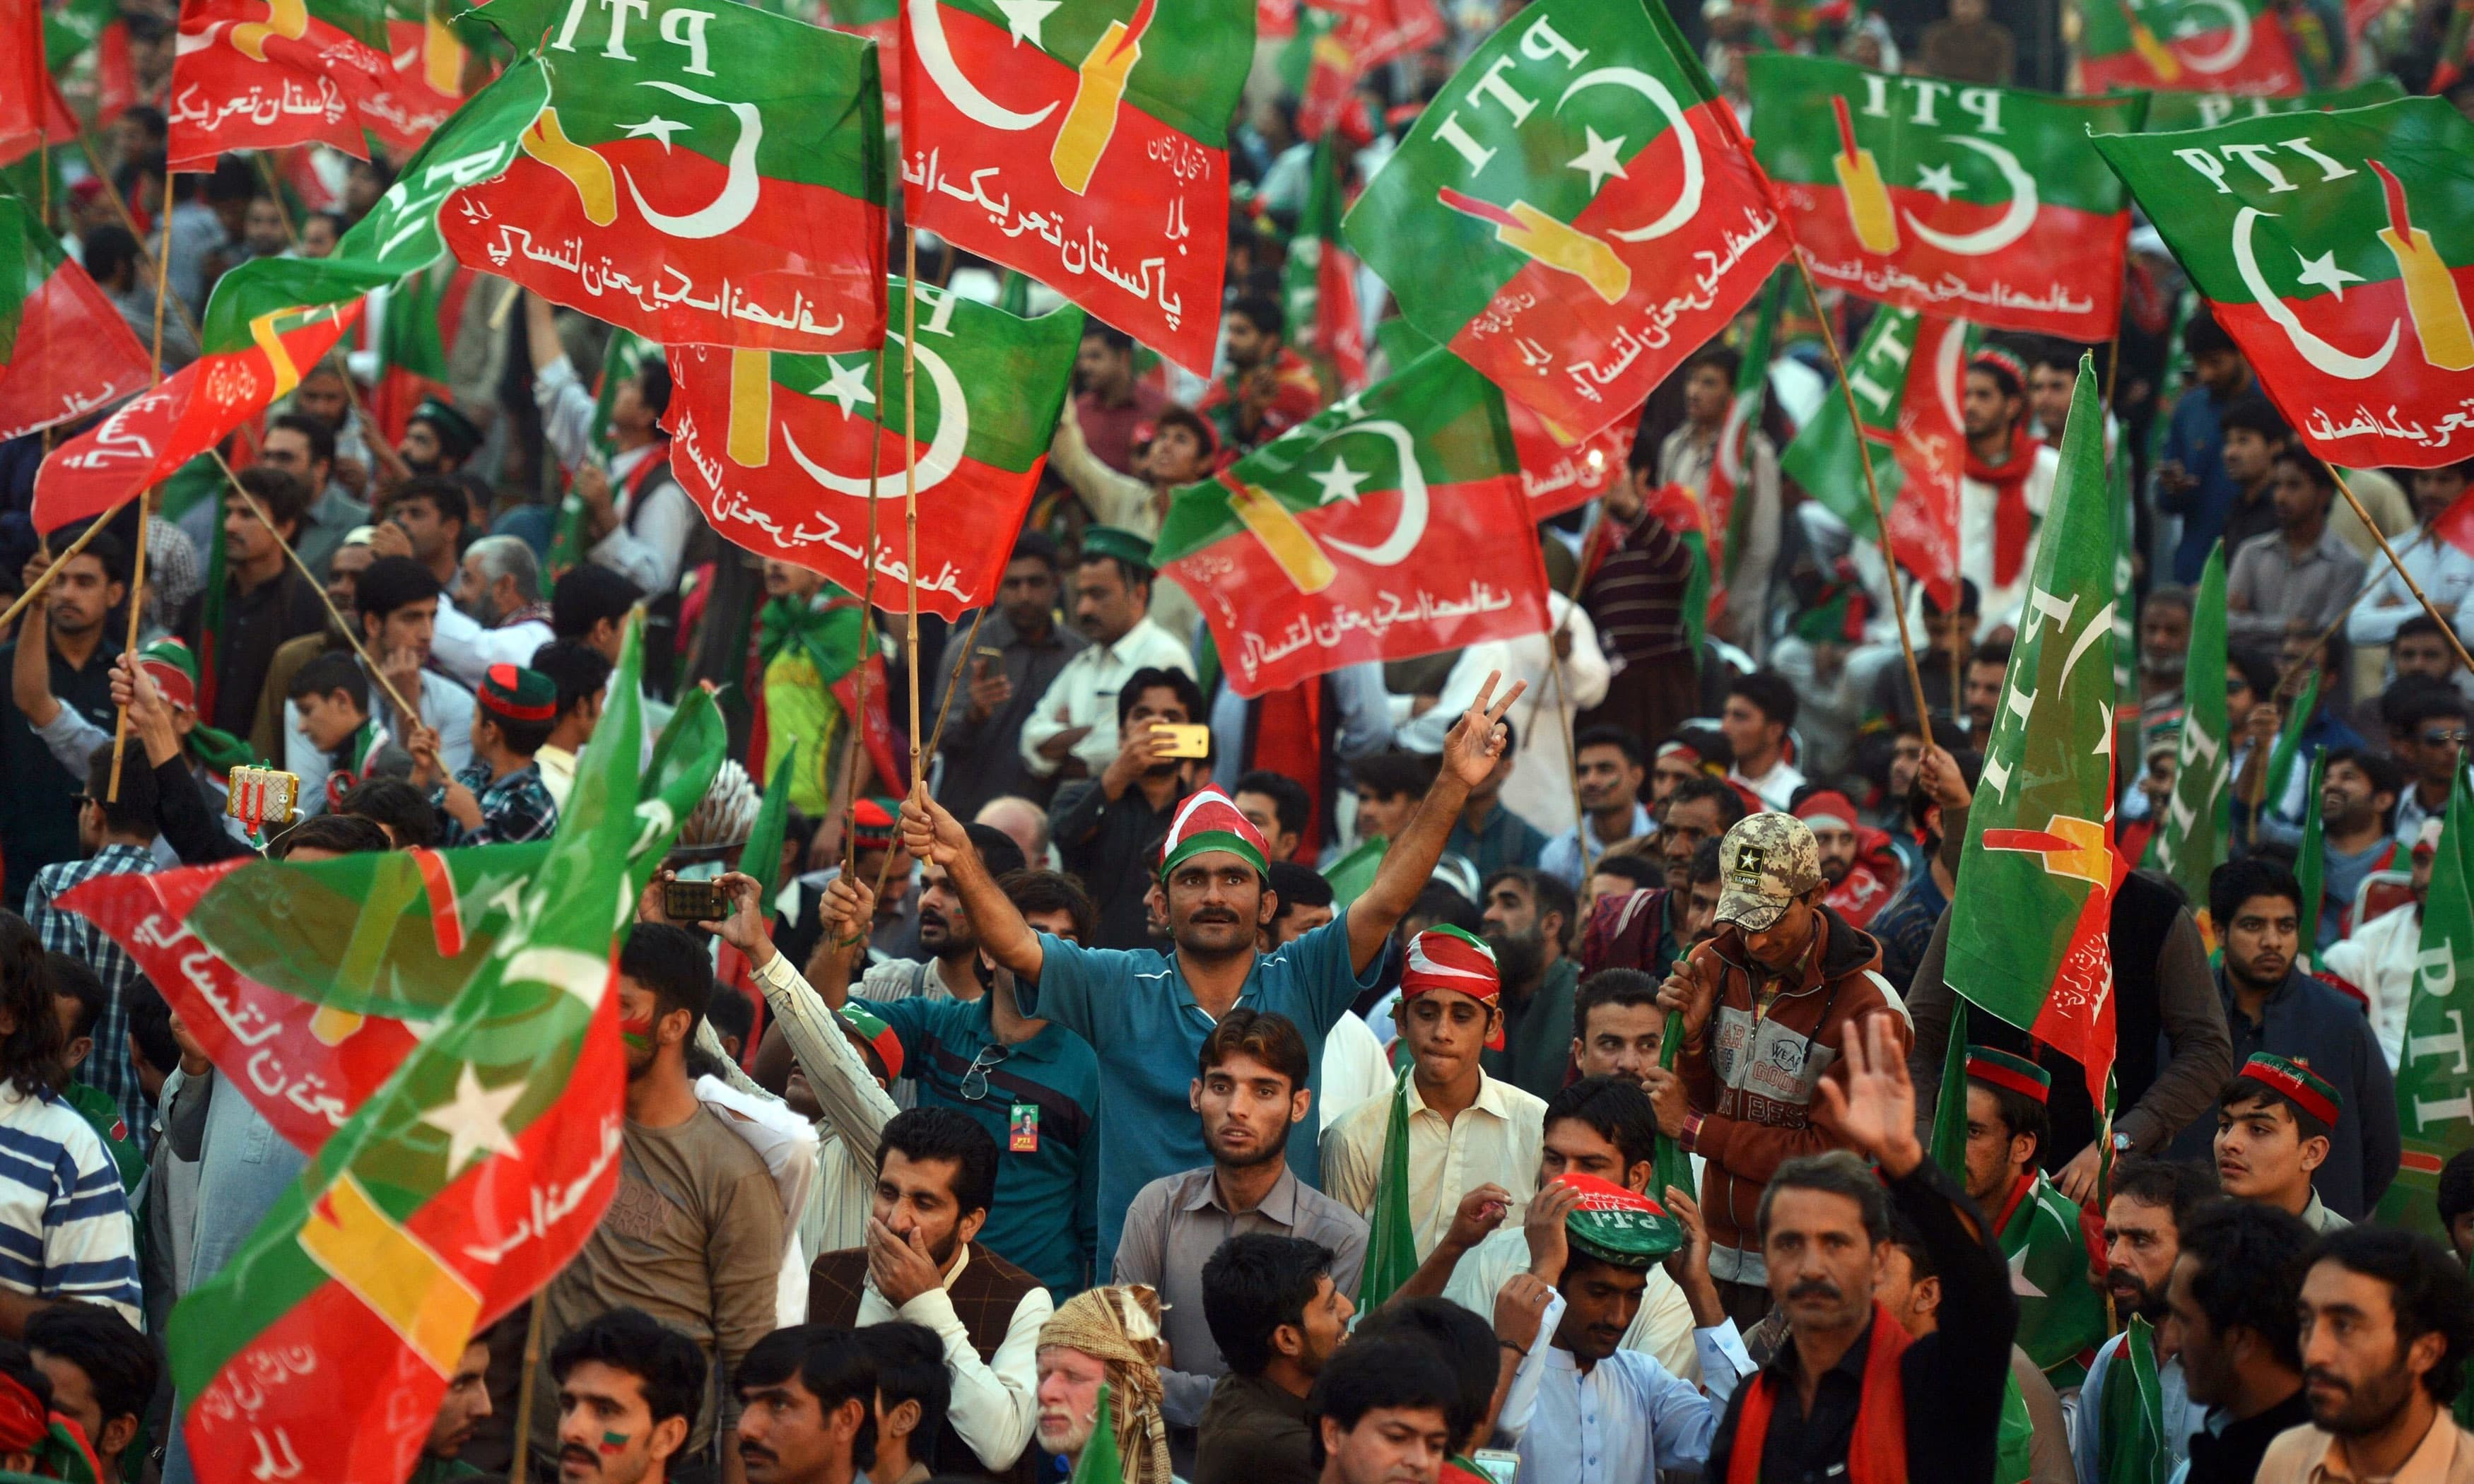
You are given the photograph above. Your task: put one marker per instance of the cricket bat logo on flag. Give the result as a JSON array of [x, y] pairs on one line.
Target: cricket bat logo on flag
[[2232, 46]]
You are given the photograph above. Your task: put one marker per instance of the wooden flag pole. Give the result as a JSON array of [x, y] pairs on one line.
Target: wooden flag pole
[[371, 438], [849, 792], [35, 589], [1872, 489], [524, 1438], [2447, 629], [138, 567], [911, 483], [1555, 670]]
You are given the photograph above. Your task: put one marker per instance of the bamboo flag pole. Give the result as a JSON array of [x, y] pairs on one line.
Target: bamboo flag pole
[[2447, 629], [138, 567], [35, 589], [1872, 489], [849, 793], [911, 483]]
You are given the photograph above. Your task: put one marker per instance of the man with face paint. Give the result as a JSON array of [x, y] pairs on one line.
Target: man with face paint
[[629, 1391]]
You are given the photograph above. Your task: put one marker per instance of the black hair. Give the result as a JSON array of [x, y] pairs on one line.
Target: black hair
[[1704, 862], [1835, 1173], [667, 1366], [103, 549], [121, 1365], [1299, 886], [2455, 1196], [1253, 1283], [1266, 1036], [1038, 545], [2238, 881], [134, 813], [2428, 1291], [1263, 312], [1391, 774], [30, 1054], [2252, 412], [2020, 1114], [344, 834], [107, 250], [389, 584], [2240, 1091], [320, 436], [1290, 800], [284, 499], [1109, 334], [1708, 742], [1462, 1339], [72, 979], [2418, 626], [2202, 335], [909, 1362], [401, 808], [1644, 873], [832, 1363], [446, 493], [2385, 776], [1771, 693], [653, 385], [731, 1012], [997, 852], [1547, 892], [1052, 891], [2313, 469], [1969, 599], [673, 964], [1991, 653], [2408, 703], [2246, 1272], [1616, 1108], [1726, 360], [1155, 678], [333, 671], [1621, 738], [1384, 1375], [1628, 987], [150, 1025], [2258, 670], [585, 596], [577, 670], [1730, 804], [952, 1135]]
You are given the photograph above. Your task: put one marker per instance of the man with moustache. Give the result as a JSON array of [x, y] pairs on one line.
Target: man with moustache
[[1104, 1337], [2387, 1320], [2153, 1201], [1647, 930], [459, 1413], [806, 1398], [630, 1390], [1010, 666], [1073, 731], [2233, 1297], [1107, 832], [1528, 917], [1250, 1090]]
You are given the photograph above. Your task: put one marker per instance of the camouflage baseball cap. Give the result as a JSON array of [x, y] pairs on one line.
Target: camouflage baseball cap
[[1766, 862]]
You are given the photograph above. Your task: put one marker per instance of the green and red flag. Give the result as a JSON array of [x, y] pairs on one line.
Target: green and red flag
[[64, 350], [1596, 203], [421, 314], [2179, 112], [465, 1182], [1321, 280], [1011, 110], [2191, 839], [1948, 1148], [2209, 46], [264, 74], [2311, 864], [70, 31], [1731, 467], [2435, 1090], [25, 87], [1388, 525], [1392, 1243], [2130, 1435], [2053, 1259], [1985, 204], [1342, 42], [879, 21], [424, 82], [625, 353], [1559, 470], [2027, 928], [1673, 506], [720, 183], [271, 316], [783, 453], [2338, 251]]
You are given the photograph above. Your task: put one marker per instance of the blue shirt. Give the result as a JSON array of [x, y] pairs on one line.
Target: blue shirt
[[1046, 1216], [2196, 437], [1132, 1005]]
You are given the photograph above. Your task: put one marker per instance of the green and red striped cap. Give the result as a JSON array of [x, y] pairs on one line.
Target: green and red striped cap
[[512, 693], [1619, 1226], [2296, 1080], [871, 1031], [1209, 821], [1997, 1069]]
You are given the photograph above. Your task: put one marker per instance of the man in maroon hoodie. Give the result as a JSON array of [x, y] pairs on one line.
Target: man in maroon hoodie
[[1766, 1009]]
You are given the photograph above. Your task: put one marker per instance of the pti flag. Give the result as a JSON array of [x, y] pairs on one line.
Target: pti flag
[[263, 74], [1344, 40], [1321, 280], [424, 82], [700, 176], [2337, 250], [2196, 831], [63, 350], [783, 453], [1575, 213], [1010, 110], [2027, 929], [466, 1181], [420, 320], [2434, 1092], [1980, 202], [879, 21], [1558, 471], [271, 316], [2179, 112], [1386, 526], [2216, 46]]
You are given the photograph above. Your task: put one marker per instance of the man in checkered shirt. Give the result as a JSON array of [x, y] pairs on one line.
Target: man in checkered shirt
[[499, 798]]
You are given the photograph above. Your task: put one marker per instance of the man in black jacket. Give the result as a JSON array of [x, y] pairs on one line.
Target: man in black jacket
[[1850, 1395]]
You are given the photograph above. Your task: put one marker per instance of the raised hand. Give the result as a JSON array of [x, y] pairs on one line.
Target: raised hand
[[929, 831], [1543, 1225], [1876, 1111], [749, 926], [1478, 738]]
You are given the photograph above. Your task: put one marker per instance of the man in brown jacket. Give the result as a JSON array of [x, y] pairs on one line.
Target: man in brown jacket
[[1767, 1006]]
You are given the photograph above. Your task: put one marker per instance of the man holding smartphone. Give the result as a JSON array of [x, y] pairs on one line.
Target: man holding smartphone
[[1105, 829]]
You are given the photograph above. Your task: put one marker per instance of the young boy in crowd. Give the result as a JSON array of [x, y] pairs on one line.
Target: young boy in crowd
[[331, 695], [500, 798]]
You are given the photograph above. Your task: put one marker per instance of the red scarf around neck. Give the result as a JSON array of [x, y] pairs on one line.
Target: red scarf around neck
[[1877, 1453], [2012, 521]]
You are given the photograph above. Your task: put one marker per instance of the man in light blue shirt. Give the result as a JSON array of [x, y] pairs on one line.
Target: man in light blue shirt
[[1610, 770], [1147, 1012]]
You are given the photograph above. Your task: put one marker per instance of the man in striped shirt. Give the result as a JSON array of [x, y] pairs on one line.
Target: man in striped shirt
[[1639, 569]]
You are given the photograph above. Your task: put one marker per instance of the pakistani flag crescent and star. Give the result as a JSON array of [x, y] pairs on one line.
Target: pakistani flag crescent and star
[[1084, 142], [700, 176], [1985, 204], [2338, 251], [2222, 46], [1593, 201]]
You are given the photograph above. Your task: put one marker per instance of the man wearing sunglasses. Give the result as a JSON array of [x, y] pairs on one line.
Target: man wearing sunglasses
[[2427, 722]]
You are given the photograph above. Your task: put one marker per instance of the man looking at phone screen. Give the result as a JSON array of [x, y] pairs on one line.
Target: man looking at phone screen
[[1107, 830]]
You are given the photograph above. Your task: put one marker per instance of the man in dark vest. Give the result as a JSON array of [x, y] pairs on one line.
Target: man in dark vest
[[936, 1176]]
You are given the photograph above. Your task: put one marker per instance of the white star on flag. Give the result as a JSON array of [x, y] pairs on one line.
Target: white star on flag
[[1600, 159], [474, 1120], [1940, 179], [1339, 482], [1027, 16], [658, 127], [2019, 1284], [848, 385], [2322, 272]]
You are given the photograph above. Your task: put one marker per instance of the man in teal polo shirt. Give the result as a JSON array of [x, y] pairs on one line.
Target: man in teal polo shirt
[[1145, 1012]]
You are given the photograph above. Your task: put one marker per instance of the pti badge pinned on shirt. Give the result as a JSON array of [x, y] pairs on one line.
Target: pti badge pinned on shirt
[[1021, 1129]]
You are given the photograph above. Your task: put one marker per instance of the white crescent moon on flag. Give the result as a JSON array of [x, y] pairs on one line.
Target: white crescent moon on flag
[[1731, 439], [1947, 359], [934, 53], [2238, 21], [2014, 223], [2322, 356], [942, 456], [1411, 527], [1687, 199], [736, 202]]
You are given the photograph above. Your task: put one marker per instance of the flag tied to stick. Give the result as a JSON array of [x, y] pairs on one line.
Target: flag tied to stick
[[700, 175], [64, 350], [1386, 526], [265, 74], [776, 450], [1980, 202], [1084, 142], [2028, 927], [2196, 831], [2224, 46], [2435, 1090], [1599, 210], [2337, 250]]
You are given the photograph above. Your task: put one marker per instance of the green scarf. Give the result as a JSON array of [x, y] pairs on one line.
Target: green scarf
[[220, 751], [825, 629]]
